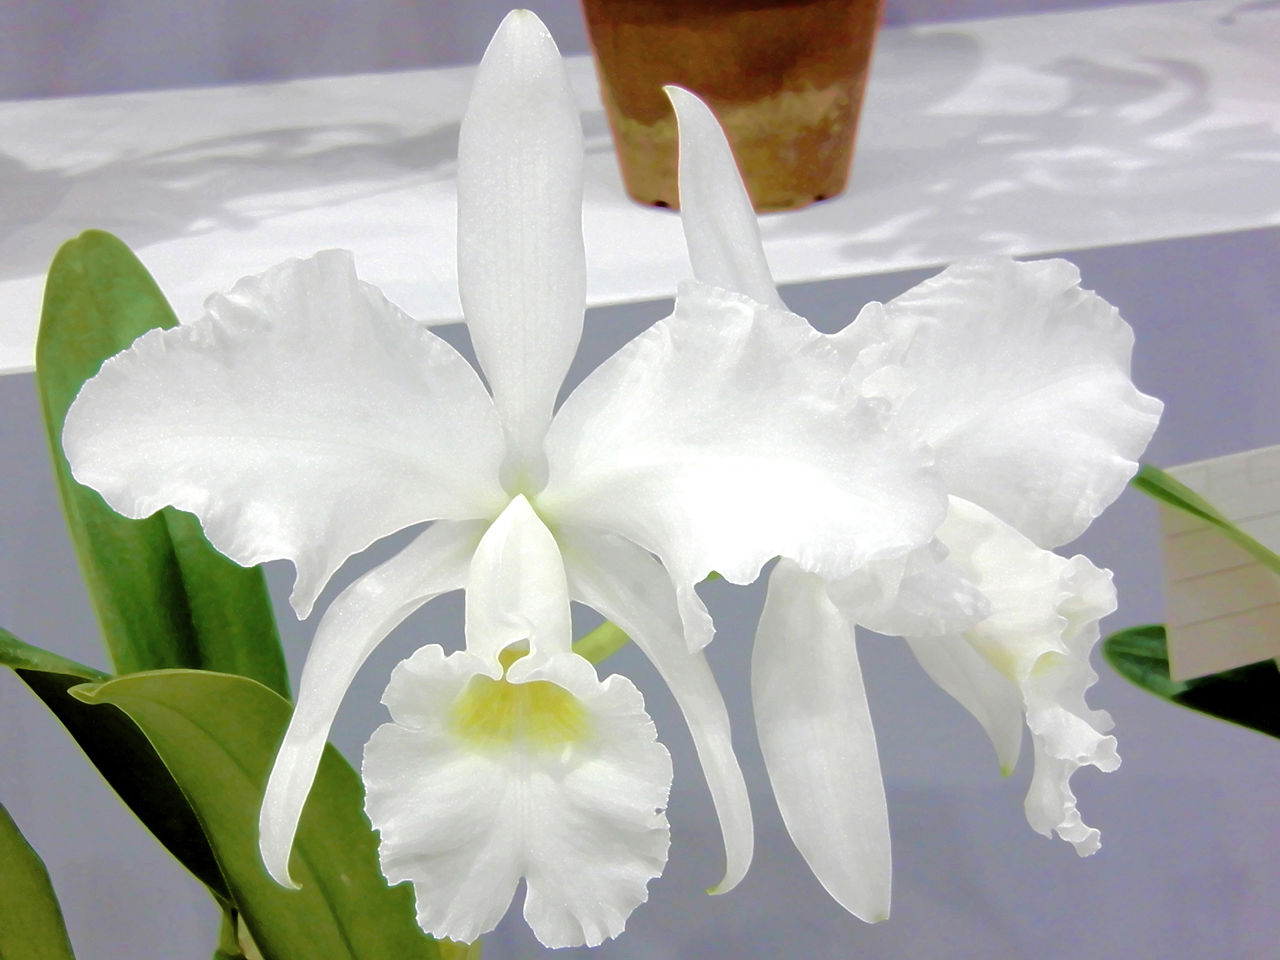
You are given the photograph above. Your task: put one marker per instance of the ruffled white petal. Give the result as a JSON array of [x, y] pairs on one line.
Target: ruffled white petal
[[818, 743], [1042, 628], [720, 225], [521, 267], [464, 819], [517, 592], [303, 418], [1019, 380], [357, 621], [627, 586], [719, 439]]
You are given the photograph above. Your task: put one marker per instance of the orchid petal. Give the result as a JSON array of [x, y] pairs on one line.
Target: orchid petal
[[521, 266], [517, 591], [464, 816], [917, 594], [979, 687], [626, 585], [353, 626], [818, 743], [1039, 635], [1067, 734], [303, 417], [718, 440], [1019, 380], [720, 225]]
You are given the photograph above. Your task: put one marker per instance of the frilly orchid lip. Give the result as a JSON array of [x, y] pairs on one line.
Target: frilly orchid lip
[[1017, 382], [304, 417]]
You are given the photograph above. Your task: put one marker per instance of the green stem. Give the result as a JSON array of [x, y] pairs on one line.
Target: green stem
[[608, 638], [602, 642], [451, 950]]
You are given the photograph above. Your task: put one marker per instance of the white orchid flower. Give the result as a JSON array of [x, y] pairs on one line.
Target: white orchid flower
[[1018, 382], [304, 417]]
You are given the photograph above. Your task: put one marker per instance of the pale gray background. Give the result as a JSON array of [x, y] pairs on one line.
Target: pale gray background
[[1190, 821]]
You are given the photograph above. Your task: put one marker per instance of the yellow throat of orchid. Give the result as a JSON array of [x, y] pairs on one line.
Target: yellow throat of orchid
[[537, 714]]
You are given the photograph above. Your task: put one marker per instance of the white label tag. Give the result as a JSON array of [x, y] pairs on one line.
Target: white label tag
[[1222, 605]]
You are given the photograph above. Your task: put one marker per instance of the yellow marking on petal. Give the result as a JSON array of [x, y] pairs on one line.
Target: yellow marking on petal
[[1000, 655], [539, 714], [509, 655]]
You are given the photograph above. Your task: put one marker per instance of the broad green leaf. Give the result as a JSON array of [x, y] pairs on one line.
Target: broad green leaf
[[31, 926], [1249, 696], [163, 596], [1161, 486], [124, 757], [218, 735]]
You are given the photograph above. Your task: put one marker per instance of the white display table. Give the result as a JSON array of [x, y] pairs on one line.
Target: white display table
[[1020, 135]]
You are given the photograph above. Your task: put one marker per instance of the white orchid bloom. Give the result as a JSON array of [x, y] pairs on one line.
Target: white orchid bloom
[[304, 417], [1018, 382]]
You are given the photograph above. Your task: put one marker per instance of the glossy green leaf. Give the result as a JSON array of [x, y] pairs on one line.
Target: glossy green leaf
[[163, 596], [1249, 696], [218, 735], [1161, 486], [31, 926], [124, 757]]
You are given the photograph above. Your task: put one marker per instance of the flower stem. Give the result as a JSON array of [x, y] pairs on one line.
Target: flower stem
[[601, 643]]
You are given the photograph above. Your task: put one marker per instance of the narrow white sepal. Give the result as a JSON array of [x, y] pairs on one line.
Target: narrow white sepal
[[353, 626], [818, 742], [521, 265]]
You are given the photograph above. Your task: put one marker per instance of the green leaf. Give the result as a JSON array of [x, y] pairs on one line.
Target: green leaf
[[1249, 696], [218, 735], [1161, 486], [31, 926], [23, 656], [163, 596], [124, 757]]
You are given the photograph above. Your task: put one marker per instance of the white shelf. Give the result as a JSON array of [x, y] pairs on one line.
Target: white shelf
[[1020, 135]]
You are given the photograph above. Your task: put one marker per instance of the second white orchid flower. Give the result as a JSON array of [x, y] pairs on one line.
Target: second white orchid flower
[[1017, 382]]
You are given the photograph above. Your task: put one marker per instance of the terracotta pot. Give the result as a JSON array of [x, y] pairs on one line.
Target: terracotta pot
[[785, 78]]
